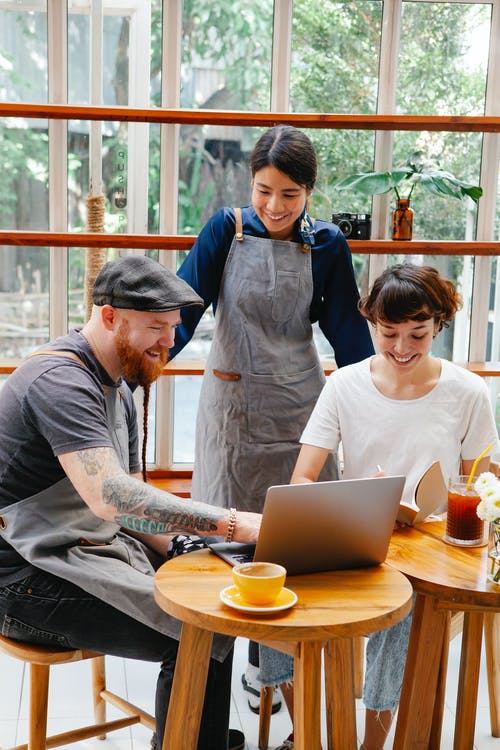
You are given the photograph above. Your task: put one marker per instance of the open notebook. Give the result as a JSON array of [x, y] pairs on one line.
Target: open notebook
[[323, 525]]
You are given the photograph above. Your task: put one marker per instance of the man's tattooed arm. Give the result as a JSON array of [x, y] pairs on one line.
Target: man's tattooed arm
[[144, 508], [113, 495]]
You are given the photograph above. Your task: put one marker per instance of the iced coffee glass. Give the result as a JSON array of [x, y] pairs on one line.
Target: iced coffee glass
[[463, 527]]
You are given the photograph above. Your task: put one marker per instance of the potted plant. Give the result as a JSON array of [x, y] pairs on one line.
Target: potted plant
[[403, 180]]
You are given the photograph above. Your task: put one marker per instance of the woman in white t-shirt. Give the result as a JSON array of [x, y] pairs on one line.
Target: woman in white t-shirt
[[401, 409]]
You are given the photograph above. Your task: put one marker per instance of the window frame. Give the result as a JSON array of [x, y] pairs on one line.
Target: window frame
[[139, 116]]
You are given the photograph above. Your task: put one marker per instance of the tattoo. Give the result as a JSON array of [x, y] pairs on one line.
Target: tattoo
[[141, 524], [141, 507], [122, 494], [93, 460], [177, 523]]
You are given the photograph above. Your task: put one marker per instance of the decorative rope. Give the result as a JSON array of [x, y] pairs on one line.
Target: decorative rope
[[95, 257], [146, 389]]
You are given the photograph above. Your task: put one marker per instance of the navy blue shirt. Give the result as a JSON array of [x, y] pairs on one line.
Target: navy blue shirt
[[335, 293]]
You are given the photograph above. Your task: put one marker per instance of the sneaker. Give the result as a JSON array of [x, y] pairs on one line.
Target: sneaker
[[236, 740], [252, 687], [286, 745]]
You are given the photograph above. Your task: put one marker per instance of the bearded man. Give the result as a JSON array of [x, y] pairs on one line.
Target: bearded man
[[80, 534]]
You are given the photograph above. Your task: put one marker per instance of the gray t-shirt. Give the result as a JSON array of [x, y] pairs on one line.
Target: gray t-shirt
[[48, 407]]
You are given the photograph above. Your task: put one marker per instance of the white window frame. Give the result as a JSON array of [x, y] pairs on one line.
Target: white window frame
[[140, 17]]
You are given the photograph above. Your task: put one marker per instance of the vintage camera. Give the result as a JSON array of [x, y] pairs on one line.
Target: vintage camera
[[355, 226]]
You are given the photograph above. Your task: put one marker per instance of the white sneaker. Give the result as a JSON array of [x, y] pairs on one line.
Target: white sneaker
[[252, 687]]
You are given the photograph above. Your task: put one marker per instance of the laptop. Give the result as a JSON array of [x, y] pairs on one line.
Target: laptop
[[317, 526]]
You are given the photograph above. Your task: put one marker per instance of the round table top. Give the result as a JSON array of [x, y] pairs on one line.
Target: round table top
[[453, 574], [330, 604]]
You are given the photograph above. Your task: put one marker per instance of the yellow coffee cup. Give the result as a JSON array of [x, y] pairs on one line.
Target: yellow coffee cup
[[259, 583]]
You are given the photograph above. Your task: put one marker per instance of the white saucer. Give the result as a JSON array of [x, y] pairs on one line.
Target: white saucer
[[232, 597]]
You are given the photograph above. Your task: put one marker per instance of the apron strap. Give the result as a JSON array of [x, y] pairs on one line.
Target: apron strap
[[59, 353], [239, 224]]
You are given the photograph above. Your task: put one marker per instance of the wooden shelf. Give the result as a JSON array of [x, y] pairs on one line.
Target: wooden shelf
[[332, 120], [197, 367], [485, 369], [178, 485], [185, 242]]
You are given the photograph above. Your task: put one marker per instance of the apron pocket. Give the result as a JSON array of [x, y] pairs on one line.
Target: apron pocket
[[279, 405], [286, 292]]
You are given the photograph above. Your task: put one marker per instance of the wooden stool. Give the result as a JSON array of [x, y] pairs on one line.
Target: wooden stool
[[40, 660], [455, 627]]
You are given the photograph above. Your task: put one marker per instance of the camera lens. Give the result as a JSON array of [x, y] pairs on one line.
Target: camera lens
[[345, 227]]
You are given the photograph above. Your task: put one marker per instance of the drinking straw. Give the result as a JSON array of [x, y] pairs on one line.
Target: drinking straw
[[474, 465]]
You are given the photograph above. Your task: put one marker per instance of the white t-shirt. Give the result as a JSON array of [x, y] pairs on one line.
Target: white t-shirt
[[453, 421]]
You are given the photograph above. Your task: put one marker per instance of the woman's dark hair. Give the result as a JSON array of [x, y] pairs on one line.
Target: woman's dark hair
[[289, 150], [409, 292]]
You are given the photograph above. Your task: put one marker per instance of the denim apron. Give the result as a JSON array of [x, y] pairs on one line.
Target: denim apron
[[56, 531], [262, 376]]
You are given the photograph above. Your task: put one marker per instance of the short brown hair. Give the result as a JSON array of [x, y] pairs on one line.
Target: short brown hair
[[409, 292]]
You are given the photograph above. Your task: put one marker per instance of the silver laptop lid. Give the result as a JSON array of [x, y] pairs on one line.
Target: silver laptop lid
[[329, 525]]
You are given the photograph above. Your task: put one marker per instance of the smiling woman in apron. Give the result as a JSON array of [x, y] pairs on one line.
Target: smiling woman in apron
[[270, 272]]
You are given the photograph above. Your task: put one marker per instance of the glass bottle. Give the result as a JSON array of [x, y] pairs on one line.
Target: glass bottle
[[493, 571], [402, 220]]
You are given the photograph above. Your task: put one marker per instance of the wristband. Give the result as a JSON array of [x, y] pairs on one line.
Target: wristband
[[231, 525]]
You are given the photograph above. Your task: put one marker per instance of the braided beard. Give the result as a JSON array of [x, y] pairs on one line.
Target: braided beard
[[136, 366]]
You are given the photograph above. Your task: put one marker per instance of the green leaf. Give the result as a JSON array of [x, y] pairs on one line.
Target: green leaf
[[373, 183]]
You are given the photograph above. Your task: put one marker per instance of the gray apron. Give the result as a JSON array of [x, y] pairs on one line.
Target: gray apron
[[56, 531], [262, 376]]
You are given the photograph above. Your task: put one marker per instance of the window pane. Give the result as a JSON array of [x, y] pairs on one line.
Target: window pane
[[186, 397], [443, 58], [23, 52], [226, 54], [226, 64], [335, 56], [443, 217], [24, 271], [24, 299]]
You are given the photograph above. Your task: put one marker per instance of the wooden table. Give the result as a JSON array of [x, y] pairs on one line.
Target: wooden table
[[446, 579], [332, 609]]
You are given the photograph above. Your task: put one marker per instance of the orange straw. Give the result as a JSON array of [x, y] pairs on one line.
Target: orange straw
[[474, 465]]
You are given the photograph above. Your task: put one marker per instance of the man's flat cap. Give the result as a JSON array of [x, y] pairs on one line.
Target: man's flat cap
[[137, 282]]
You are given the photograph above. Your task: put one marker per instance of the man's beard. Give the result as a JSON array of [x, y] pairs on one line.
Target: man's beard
[[136, 366]]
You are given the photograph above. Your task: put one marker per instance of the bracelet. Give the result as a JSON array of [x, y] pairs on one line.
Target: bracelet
[[231, 524]]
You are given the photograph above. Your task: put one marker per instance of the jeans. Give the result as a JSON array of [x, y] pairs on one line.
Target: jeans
[[385, 663], [50, 611]]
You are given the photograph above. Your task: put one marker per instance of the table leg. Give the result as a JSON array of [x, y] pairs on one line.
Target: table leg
[[437, 717], [492, 646], [339, 690], [307, 696], [421, 675], [465, 717], [186, 701]]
